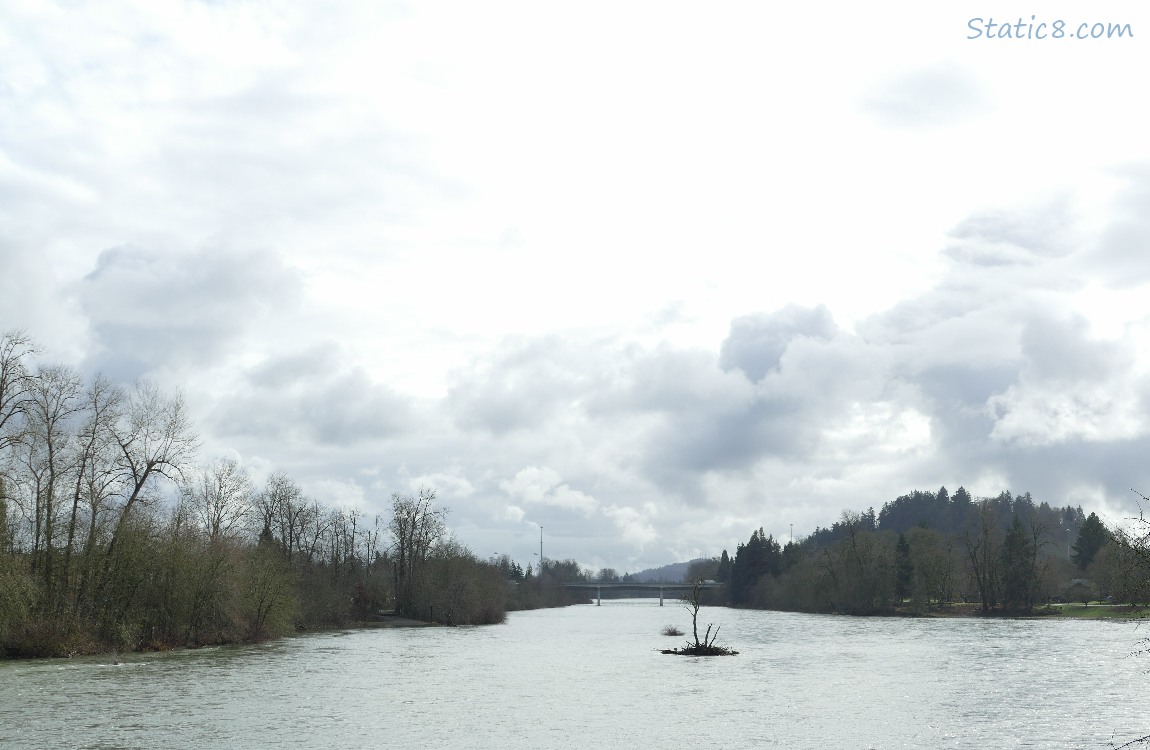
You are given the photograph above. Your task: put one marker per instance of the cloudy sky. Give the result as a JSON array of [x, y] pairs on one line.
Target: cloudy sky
[[649, 275]]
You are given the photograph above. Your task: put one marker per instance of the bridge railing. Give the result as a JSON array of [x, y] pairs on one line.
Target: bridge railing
[[661, 587]]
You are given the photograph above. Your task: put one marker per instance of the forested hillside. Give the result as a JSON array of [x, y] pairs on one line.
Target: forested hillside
[[926, 550]]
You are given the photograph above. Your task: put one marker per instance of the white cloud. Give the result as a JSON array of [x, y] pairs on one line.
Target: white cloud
[[1043, 415], [449, 485], [343, 494], [543, 486], [634, 528]]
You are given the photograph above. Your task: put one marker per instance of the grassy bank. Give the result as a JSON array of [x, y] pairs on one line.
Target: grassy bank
[[1098, 611]]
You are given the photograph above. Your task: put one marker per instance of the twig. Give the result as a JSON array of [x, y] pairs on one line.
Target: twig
[[1134, 742]]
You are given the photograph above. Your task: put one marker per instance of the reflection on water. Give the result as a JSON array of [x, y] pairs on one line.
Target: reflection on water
[[591, 677]]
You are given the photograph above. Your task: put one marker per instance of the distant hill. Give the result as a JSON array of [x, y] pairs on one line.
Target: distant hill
[[673, 573]]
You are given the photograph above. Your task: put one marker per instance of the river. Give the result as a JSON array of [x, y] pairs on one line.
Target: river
[[591, 677]]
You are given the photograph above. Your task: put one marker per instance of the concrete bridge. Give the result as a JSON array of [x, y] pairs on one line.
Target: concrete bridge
[[640, 587]]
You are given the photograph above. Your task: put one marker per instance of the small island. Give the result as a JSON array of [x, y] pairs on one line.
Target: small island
[[706, 646]]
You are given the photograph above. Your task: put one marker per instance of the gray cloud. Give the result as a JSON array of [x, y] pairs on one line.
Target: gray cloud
[[521, 386], [304, 397], [298, 368], [1006, 238], [956, 396], [1061, 348], [1016, 385], [148, 309], [756, 343], [674, 415]]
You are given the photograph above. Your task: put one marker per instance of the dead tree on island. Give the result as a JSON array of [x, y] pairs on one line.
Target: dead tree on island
[[692, 602]]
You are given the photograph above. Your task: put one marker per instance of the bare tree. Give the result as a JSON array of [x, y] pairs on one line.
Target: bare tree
[[933, 559], [692, 601], [983, 550], [15, 384], [283, 510], [314, 524], [51, 403], [94, 471], [416, 527], [155, 438], [221, 498]]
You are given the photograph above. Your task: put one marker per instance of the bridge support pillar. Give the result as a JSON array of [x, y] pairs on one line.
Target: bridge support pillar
[[598, 596], [660, 596]]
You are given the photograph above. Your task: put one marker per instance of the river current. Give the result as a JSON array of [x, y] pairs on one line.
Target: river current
[[592, 677]]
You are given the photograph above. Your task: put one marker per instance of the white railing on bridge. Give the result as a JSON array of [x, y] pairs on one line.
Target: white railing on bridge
[[681, 586]]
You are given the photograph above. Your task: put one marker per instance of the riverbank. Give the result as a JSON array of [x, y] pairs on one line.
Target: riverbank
[[392, 621], [1098, 611]]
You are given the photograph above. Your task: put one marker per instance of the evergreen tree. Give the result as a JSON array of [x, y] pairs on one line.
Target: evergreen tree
[[792, 555], [1091, 538], [758, 557], [904, 569], [723, 575], [1018, 574], [959, 511]]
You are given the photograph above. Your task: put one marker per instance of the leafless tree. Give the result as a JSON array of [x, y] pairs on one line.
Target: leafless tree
[[220, 497], [982, 543], [416, 527], [692, 601], [155, 438], [283, 510], [15, 384], [94, 480], [315, 523], [52, 402]]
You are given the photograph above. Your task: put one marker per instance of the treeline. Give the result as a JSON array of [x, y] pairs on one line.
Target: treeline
[[929, 550], [545, 586], [113, 537]]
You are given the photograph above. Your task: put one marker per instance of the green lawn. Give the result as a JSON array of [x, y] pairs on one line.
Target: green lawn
[[1096, 611]]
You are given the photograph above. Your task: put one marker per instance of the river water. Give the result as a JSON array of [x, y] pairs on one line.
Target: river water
[[591, 677]]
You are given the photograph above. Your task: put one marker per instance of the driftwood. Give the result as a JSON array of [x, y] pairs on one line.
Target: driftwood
[[692, 650]]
